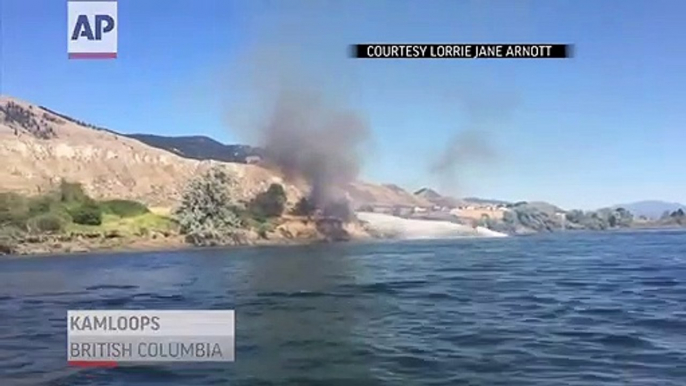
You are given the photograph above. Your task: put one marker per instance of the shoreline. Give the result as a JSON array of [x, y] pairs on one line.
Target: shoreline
[[56, 244], [47, 245], [175, 246], [52, 246]]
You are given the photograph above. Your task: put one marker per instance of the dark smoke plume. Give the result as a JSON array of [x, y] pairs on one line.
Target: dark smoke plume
[[464, 148], [473, 144], [303, 127], [307, 137]]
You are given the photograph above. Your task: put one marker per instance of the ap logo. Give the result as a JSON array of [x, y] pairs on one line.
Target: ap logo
[[92, 29]]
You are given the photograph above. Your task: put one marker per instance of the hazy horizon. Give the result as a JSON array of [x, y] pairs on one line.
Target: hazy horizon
[[600, 129]]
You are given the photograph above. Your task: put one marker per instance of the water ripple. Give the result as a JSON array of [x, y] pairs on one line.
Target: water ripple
[[570, 309]]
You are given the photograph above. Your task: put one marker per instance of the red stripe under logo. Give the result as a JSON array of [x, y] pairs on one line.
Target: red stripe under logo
[[92, 55], [108, 364]]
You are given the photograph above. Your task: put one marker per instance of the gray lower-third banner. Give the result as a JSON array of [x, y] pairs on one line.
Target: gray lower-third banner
[[137, 348]]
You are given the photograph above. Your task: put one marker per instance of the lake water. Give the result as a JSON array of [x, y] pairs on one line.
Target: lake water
[[562, 309]]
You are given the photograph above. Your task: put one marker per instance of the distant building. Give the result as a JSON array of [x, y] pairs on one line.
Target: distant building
[[479, 211], [253, 159]]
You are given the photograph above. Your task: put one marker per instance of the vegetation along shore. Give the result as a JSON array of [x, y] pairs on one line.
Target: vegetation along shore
[[66, 219]]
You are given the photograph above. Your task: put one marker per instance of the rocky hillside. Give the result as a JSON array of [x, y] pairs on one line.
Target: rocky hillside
[[438, 199], [363, 194], [39, 147]]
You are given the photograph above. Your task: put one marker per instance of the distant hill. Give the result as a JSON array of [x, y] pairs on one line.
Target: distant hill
[[363, 193], [437, 199], [199, 147], [651, 209], [195, 147], [427, 193], [545, 207]]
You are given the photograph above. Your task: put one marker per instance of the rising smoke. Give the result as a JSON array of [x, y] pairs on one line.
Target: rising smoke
[[464, 148], [284, 100], [308, 137], [305, 130], [473, 143]]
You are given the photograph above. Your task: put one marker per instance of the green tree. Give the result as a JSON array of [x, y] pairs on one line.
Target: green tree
[[678, 217], [125, 208], [270, 203], [42, 204], [87, 213], [48, 222], [575, 216], [14, 210], [207, 214], [624, 217]]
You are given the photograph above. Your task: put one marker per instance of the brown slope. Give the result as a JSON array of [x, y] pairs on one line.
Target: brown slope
[[39, 148], [438, 199], [364, 193]]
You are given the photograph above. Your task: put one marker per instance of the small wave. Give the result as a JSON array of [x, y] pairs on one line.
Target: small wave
[[660, 282], [38, 336], [110, 287], [387, 287], [573, 283], [114, 302], [295, 294], [438, 296], [168, 298], [623, 340], [479, 339], [673, 324], [414, 361], [603, 311]]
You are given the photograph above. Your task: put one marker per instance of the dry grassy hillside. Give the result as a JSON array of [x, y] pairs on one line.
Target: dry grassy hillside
[[364, 193], [38, 148]]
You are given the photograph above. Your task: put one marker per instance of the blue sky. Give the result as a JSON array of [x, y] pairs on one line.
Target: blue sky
[[601, 128]]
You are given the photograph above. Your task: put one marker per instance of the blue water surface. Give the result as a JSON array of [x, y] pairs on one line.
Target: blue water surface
[[557, 309]]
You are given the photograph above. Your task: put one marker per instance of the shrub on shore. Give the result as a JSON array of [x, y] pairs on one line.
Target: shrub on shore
[[86, 214], [14, 210], [42, 204], [57, 210], [208, 215], [124, 208], [268, 204], [47, 222]]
